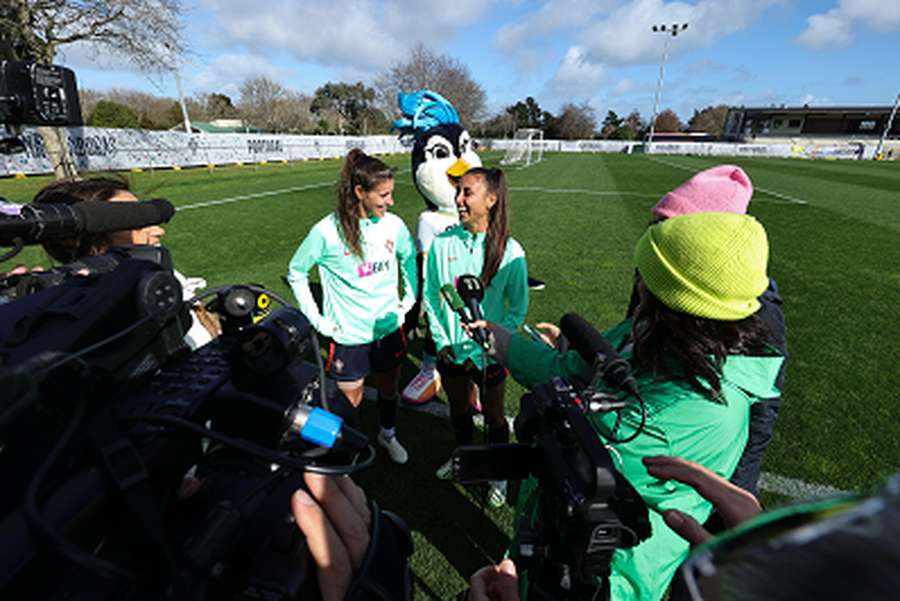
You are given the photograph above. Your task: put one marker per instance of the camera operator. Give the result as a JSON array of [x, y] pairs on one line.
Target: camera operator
[[701, 360], [111, 189]]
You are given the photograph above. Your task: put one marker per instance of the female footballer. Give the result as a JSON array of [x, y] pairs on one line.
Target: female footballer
[[362, 251]]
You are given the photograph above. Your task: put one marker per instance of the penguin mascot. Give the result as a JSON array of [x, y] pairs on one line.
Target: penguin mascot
[[442, 152]]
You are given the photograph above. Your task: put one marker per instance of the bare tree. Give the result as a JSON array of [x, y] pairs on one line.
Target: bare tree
[[710, 120], [259, 102], [668, 121], [575, 122], [145, 32], [445, 75]]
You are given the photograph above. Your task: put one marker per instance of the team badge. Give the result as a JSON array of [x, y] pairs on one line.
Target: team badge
[[338, 366], [389, 245]]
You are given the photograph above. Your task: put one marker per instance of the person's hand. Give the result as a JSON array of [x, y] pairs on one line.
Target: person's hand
[[445, 355], [495, 583], [734, 504], [549, 332], [335, 519]]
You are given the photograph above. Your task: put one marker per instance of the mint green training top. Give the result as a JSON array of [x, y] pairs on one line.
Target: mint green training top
[[681, 422], [457, 252], [361, 299]]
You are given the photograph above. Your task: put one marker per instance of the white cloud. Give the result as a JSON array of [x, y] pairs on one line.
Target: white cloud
[[813, 100], [576, 76], [552, 16], [835, 27], [623, 87], [365, 35], [830, 30], [227, 72]]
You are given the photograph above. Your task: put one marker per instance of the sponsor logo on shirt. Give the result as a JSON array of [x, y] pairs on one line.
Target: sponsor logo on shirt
[[451, 258], [372, 267]]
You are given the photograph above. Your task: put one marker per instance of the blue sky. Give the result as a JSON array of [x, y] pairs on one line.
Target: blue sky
[[750, 52]]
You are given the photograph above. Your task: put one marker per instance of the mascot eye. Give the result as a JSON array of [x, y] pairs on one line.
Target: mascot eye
[[441, 152]]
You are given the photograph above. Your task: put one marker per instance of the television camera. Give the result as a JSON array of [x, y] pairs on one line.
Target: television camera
[[583, 508], [35, 94], [107, 419]]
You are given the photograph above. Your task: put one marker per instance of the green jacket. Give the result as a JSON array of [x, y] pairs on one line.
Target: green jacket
[[360, 297], [456, 252], [680, 422]]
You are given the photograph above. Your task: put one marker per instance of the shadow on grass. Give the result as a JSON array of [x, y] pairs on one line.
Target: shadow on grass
[[455, 534]]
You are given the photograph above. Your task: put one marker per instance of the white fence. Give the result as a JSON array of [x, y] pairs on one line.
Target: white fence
[[853, 150], [98, 149]]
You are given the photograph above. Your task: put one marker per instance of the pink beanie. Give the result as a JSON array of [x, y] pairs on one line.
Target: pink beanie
[[722, 189]]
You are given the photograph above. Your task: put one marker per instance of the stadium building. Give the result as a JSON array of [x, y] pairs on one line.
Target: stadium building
[[811, 125]]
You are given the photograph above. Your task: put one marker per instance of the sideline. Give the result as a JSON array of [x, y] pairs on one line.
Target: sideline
[[779, 195]]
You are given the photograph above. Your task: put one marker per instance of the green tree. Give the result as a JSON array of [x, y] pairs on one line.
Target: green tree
[[574, 122], [349, 101], [112, 114], [611, 125], [710, 120], [219, 106], [526, 114]]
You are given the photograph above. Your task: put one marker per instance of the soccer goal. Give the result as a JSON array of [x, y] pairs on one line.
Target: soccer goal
[[526, 148]]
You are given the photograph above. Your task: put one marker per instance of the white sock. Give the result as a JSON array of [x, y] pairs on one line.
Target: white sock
[[388, 433], [428, 362]]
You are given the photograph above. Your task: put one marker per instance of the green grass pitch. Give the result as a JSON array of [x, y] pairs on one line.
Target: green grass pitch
[[834, 229]]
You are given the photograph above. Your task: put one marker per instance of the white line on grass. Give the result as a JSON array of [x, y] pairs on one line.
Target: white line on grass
[[779, 195], [223, 201], [780, 485], [578, 191]]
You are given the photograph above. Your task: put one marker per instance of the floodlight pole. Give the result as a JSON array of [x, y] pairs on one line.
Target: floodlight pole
[[184, 111], [670, 31], [887, 127]]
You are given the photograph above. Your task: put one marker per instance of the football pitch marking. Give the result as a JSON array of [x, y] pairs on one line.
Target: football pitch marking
[[225, 201], [779, 195], [579, 191], [769, 482]]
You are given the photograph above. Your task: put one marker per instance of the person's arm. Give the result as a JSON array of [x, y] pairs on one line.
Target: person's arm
[[310, 253], [409, 272], [431, 296], [516, 294], [532, 363]]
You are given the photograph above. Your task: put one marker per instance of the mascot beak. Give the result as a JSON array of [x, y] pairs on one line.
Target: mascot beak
[[457, 170]]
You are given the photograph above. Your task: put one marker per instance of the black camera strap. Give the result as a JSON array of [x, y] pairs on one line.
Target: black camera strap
[[125, 469], [384, 574]]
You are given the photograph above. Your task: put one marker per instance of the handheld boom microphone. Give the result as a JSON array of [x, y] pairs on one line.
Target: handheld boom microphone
[[596, 350], [36, 223], [471, 292]]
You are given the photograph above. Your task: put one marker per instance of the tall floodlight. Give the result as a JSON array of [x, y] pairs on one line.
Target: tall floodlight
[[184, 111], [887, 127], [670, 32]]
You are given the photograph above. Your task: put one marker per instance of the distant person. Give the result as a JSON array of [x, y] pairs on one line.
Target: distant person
[[480, 246], [362, 252]]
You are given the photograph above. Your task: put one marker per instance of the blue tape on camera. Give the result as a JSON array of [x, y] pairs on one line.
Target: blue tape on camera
[[321, 428]]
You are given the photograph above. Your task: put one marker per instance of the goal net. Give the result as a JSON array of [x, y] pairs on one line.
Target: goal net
[[526, 148]]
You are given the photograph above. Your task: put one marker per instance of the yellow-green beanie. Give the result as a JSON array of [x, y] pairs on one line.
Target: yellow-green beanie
[[710, 265]]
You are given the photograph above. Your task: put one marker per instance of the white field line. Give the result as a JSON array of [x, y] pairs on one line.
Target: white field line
[[578, 191], [224, 201], [779, 195], [780, 485]]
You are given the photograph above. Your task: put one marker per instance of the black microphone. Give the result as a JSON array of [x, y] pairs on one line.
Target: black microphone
[[36, 223], [471, 292], [596, 350]]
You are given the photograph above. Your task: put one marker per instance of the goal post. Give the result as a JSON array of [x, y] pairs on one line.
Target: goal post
[[526, 148]]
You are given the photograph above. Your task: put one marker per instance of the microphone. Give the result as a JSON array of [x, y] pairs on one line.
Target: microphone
[[471, 292], [452, 298], [36, 223], [596, 350]]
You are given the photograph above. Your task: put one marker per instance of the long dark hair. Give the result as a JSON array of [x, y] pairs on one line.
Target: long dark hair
[[70, 192], [367, 172], [498, 222], [676, 344]]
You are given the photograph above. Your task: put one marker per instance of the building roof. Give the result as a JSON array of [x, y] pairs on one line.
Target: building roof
[[805, 110]]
